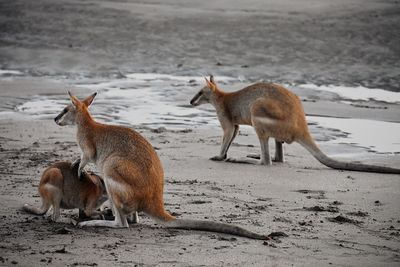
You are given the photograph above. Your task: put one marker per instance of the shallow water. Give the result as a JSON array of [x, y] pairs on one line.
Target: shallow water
[[157, 100], [377, 136]]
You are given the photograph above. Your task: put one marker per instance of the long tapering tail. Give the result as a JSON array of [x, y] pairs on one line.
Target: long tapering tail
[[166, 219], [210, 226], [308, 143]]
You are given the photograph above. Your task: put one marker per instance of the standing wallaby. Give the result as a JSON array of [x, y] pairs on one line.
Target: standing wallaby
[[274, 112], [132, 171], [60, 187]]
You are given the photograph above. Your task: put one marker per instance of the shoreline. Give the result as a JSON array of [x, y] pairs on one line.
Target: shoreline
[[334, 119]]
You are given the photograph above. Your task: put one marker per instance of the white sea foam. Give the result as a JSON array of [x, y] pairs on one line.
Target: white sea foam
[[167, 77], [357, 93], [42, 106], [148, 99], [10, 72]]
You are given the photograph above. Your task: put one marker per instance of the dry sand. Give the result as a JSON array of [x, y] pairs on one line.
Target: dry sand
[[331, 217]]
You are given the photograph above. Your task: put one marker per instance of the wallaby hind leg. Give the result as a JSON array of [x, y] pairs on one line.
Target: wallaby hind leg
[[265, 158], [229, 134], [56, 216], [120, 221], [279, 156], [53, 195]]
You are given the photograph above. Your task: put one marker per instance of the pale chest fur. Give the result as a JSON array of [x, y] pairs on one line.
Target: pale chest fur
[[87, 145]]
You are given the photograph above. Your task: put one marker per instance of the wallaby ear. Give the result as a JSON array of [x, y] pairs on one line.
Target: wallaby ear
[[75, 101], [88, 100], [210, 85], [212, 80]]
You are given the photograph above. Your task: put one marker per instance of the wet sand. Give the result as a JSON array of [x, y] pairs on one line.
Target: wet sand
[[331, 217]]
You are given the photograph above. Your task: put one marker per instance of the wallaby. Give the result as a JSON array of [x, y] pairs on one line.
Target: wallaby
[[133, 174], [60, 187], [273, 111]]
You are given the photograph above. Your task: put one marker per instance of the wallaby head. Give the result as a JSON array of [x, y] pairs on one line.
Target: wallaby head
[[206, 93], [69, 114]]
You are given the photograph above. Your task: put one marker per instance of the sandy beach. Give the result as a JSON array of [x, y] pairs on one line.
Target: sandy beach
[[141, 55]]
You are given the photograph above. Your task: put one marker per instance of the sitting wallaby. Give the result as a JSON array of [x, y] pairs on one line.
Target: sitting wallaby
[[274, 112], [133, 174], [60, 187]]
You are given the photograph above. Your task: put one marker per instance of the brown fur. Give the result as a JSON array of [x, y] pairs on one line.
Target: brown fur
[[60, 187], [133, 173], [274, 112]]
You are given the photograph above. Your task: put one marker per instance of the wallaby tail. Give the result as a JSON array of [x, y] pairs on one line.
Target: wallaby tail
[[308, 143], [210, 226], [167, 220], [38, 211]]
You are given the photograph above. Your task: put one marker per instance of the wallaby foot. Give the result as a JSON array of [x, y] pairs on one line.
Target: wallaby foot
[[96, 223], [103, 223], [218, 158], [248, 161], [254, 156], [257, 156], [120, 221]]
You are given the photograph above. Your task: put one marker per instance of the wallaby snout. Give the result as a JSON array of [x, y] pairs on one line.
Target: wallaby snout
[[193, 101], [59, 119], [56, 119]]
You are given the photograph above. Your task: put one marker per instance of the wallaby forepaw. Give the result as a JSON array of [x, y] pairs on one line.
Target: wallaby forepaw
[[218, 158], [75, 163]]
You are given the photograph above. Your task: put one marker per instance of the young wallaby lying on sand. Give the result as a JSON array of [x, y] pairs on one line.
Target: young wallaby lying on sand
[[133, 174], [60, 187], [274, 112]]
